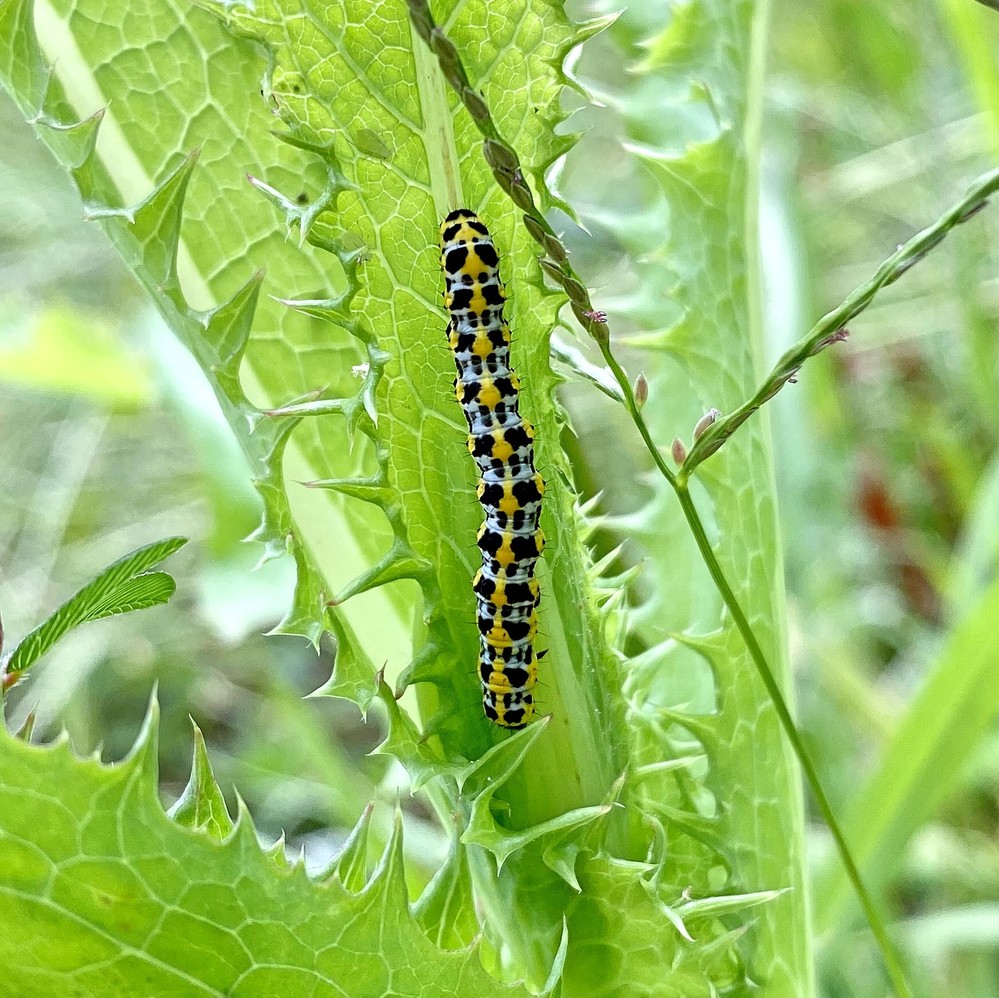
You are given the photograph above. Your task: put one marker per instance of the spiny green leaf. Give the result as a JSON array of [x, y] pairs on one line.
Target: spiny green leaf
[[246, 343], [687, 226], [350, 865], [614, 919], [341, 79], [118, 899], [724, 904], [446, 909]]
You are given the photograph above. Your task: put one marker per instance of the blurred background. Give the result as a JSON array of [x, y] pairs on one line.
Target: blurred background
[[877, 117]]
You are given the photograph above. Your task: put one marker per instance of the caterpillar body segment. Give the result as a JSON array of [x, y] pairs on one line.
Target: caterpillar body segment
[[510, 489]]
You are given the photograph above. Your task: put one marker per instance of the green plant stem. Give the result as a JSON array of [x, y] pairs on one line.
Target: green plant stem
[[830, 328], [679, 484], [787, 722]]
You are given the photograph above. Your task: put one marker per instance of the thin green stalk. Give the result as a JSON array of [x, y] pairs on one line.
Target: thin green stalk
[[787, 722], [831, 327], [679, 485]]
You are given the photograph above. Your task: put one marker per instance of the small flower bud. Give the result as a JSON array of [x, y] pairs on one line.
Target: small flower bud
[[504, 180], [679, 451], [442, 46], [575, 290], [475, 104], [553, 270], [705, 421], [641, 390], [533, 226], [521, 195], [421, 19], [555, 249], [499, 156]]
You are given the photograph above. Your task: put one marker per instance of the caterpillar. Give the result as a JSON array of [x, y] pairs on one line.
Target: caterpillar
[[510, 489]]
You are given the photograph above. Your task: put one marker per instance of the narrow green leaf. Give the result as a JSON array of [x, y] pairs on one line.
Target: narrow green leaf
[[126, 585], [975, 34], [946, 720]]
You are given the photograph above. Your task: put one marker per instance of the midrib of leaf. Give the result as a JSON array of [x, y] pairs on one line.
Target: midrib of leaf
[[445, 184], [572, 766], [331, 536]]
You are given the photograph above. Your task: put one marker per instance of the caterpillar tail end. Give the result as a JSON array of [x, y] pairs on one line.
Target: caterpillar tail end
[[512, 710]]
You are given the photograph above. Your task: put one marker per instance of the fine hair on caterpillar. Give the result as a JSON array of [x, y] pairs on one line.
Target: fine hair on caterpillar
[[510, 489]]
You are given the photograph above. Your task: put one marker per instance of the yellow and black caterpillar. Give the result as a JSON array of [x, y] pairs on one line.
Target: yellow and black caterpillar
[[510, 489]]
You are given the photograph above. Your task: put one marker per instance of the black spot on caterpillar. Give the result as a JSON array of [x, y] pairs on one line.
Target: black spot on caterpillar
[[501, 442]]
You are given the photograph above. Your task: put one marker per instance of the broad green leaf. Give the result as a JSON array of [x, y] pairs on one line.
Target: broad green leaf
[[126, 585], [200, 271], [103, 894]]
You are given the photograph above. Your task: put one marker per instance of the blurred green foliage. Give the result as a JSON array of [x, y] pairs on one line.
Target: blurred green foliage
[[877, 116], [889, 464]]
